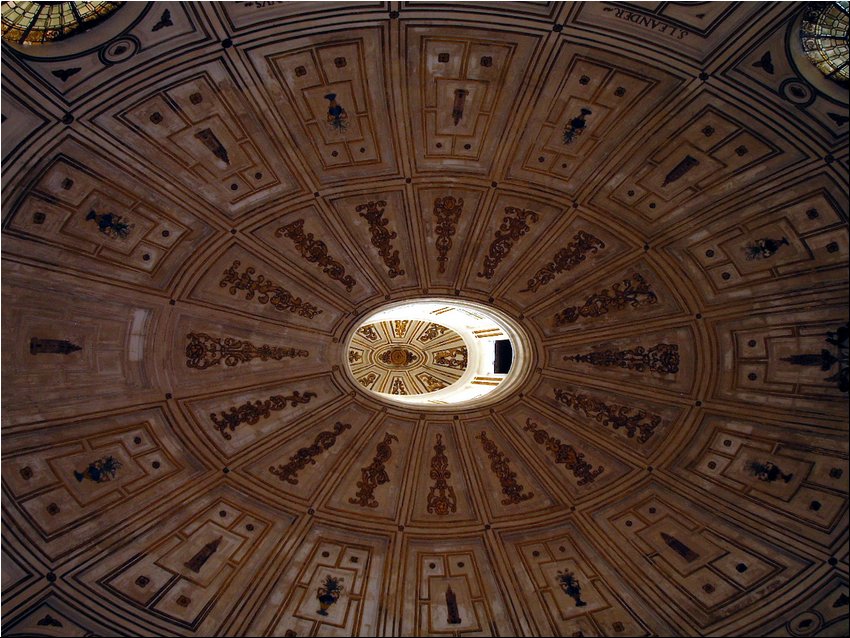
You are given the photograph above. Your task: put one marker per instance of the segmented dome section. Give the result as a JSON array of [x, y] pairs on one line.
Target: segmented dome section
[[30, 23], [824, 36], [406, 357]]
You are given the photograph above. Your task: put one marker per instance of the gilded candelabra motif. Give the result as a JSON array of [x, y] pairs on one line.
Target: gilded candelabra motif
[[204, 351], [441, 496], [565, 259], [447, 210], [307, 455], [662, 358], [400, 327], [267, 291], [501, 468], [374, 474], [381, 235], [632, 292], [615, 416], [315, 252], [251, 412], [564, 454], [514, 226]]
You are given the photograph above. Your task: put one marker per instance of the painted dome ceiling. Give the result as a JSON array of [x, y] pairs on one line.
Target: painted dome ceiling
[[202, 202], [405, 357]]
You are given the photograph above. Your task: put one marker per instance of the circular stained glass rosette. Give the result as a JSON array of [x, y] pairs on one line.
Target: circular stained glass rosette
[[31, 23], [824, 36]]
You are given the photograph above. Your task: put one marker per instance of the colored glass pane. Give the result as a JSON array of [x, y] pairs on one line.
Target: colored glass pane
[[40, 22], [824, 36]]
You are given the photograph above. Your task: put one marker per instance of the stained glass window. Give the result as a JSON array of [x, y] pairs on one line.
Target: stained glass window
[[823, 33], [39, 22]]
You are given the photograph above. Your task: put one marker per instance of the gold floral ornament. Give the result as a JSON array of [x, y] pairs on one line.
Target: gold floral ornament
[[31, 23]]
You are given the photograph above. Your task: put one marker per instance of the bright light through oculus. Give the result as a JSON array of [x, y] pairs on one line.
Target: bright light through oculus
[[432, 352]]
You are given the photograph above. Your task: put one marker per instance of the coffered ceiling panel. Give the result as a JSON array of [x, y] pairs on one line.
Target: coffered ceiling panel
[[205, 203]]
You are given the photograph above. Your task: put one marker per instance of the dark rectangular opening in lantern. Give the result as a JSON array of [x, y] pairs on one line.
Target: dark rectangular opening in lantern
[[504, 356]]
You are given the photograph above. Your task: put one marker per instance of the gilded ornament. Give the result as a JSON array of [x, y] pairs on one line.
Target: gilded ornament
[[381, 236], [447, 210], [616, 416], [565, 259], [433, 331], [662, 358], [267, 291], [501, 468], [400, 328], [632, 292], [398, 357], [315, 252], [513, 227], [564, 454], [451, 358], [431, 383], [204, 351], [398, 387], [367, 380], [374, 474], [368, 332], [307, 455], [441, 496], [251, 412]]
